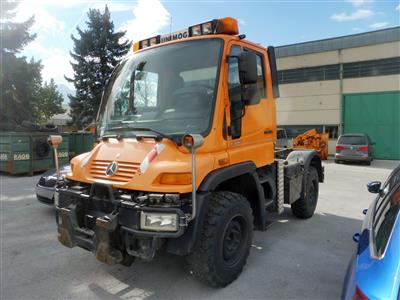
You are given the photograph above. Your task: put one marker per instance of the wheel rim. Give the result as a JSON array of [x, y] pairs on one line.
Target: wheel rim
[[233, 240]]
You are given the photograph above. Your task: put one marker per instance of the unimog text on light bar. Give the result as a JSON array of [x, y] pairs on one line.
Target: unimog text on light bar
[[226, 25]]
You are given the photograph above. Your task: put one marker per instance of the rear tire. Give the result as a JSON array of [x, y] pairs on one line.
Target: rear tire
[[225, 240], [304, 207]]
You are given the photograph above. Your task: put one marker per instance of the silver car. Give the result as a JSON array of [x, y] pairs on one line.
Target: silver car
[[354, 147], [46, 185]]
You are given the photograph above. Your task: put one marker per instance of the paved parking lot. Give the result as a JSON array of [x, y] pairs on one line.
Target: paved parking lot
[[293, 259]]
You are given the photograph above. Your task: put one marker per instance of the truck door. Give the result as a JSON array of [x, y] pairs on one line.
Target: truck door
[[252, 136]]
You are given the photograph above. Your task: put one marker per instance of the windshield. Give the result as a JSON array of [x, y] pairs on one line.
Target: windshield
[[169, 89]]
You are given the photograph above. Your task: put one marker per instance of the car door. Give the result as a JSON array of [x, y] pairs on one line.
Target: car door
[[258, 122]]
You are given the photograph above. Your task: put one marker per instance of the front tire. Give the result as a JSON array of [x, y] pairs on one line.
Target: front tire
[[225, 241], [304, 207]]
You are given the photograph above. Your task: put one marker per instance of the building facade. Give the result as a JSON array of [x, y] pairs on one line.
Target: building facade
[[347, 84]]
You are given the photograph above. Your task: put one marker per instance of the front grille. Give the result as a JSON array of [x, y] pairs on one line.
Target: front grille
[[124, 173]]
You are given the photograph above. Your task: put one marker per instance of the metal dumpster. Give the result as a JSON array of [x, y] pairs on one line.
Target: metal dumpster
[[28, 152], [80, 142]]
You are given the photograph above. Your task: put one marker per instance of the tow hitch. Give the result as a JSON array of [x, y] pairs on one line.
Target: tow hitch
[[97, 240]]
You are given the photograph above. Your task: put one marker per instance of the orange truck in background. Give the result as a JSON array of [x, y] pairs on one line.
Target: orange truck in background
[[186, 160], [311, 139]]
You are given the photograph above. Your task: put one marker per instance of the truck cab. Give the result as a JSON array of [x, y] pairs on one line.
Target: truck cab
[[186, 161]]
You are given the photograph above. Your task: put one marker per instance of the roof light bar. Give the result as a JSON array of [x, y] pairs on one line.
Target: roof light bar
[[203, 28], [226, 25]]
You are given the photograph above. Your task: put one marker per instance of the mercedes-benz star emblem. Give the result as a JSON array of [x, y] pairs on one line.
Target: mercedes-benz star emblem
[[111, 168]]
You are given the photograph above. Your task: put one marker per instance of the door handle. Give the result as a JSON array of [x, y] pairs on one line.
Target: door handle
[[268, 131]]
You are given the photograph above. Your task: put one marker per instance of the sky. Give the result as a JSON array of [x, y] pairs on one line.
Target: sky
[[266, 22]]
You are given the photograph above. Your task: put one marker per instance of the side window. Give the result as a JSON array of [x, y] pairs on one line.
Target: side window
[[261, 78], [258, 88], [235, 92], [233, 76], [386, 213]]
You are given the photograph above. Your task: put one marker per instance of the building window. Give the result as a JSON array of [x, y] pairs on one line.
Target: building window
[[294, 130], [328, 72], [333, 131], [378, 67], [368, 68]]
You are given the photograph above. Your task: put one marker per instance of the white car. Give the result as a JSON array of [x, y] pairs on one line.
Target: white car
[[46, 184]]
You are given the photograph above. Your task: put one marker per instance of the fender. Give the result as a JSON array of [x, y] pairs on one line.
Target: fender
[[307, 158], [216, 177]]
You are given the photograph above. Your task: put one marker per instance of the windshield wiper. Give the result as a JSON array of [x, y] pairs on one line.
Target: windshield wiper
[[112, 136], [159, 134], [158, 137]]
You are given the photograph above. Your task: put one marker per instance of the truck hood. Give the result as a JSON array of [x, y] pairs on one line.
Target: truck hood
[[135, 165]]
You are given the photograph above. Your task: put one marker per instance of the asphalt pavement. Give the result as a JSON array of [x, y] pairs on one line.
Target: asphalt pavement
[[293, 259]]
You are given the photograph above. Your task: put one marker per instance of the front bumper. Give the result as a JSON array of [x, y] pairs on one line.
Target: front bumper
[[110, 227]]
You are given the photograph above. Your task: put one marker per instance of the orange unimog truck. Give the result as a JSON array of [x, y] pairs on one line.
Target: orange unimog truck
[[186, 161]]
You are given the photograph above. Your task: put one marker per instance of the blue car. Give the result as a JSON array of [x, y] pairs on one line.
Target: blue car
[[374, 270]]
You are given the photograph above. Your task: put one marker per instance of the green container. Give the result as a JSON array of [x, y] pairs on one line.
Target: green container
[[80, 142], [15, 153], [28, 152]]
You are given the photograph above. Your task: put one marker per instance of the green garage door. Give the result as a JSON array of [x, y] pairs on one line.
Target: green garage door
[[378, 115]]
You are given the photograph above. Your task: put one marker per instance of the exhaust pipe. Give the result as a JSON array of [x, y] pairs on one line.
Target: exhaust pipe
[[192, 142], [54, 141]]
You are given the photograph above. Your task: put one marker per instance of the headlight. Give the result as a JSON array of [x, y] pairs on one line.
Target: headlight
[[158, 221], [56, 196]]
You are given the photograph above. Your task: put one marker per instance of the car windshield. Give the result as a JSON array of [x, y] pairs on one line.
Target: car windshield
[[168, 89], [352, 140]]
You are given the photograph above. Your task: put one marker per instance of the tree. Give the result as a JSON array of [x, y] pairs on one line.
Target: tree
[[22, 95], [14, 36], [49, 102], [18, 78], [96, 53]]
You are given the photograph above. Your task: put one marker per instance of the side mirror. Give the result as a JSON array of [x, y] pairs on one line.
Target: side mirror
[[247, 67], [374, 187]]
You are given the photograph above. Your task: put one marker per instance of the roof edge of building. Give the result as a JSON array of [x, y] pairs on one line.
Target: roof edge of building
[[380, 36]]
